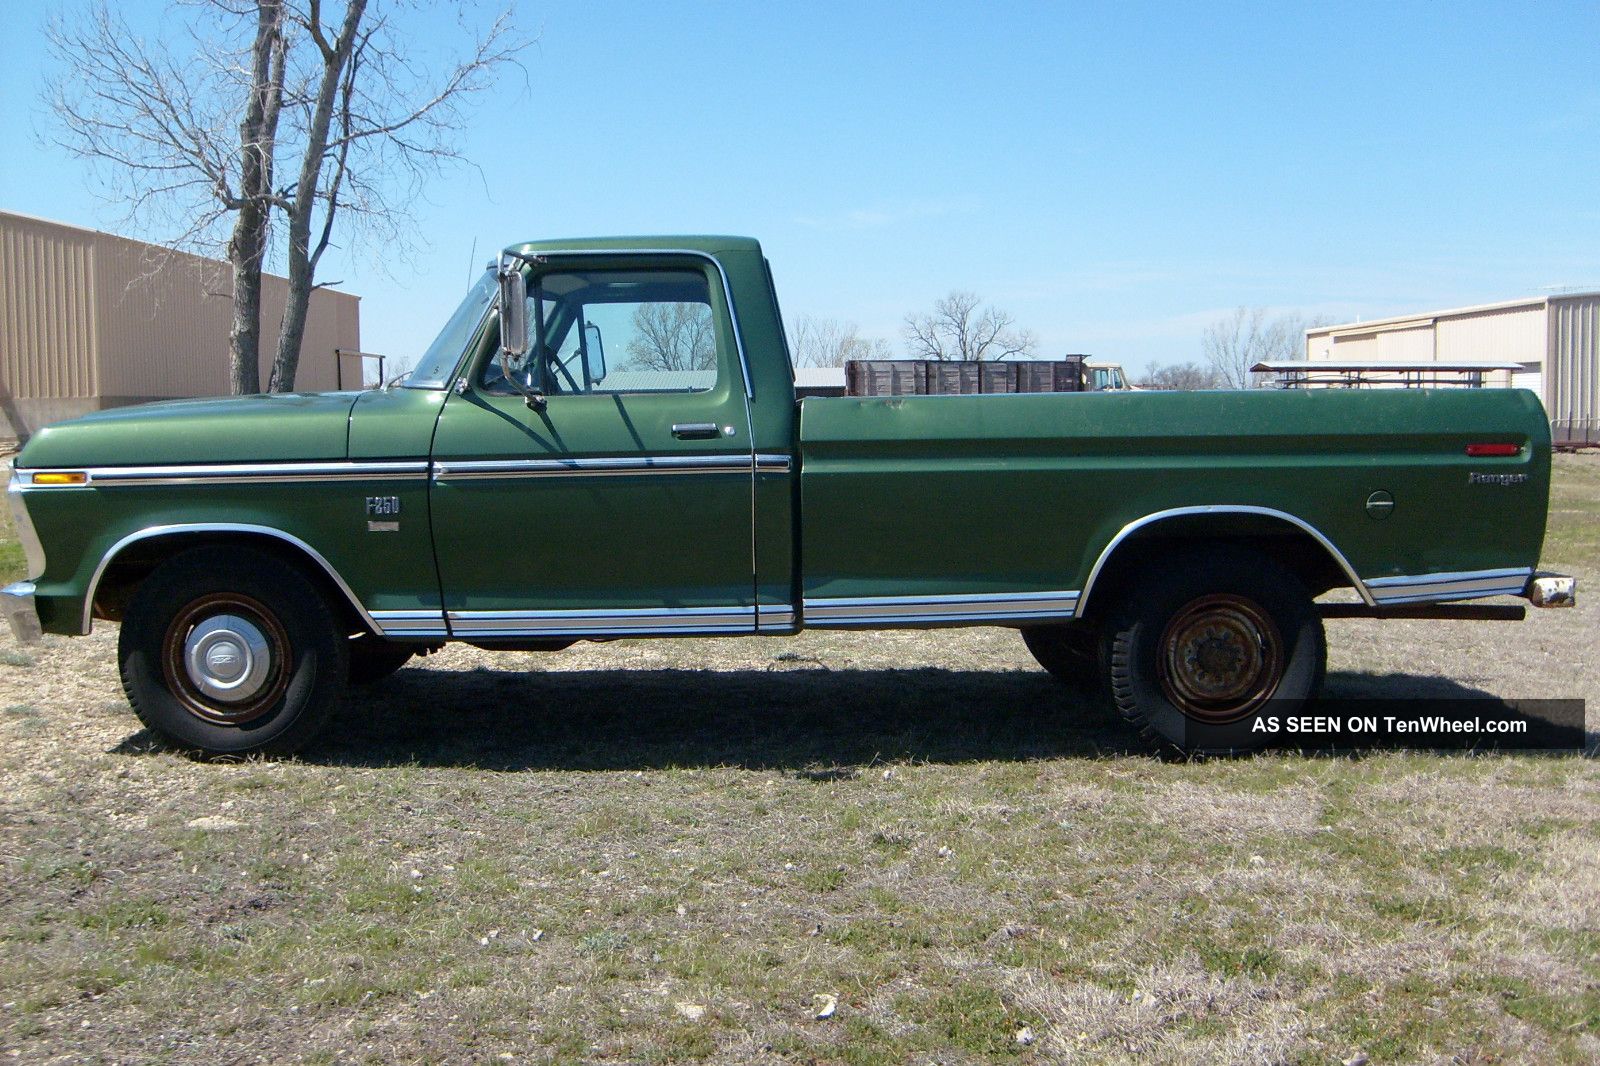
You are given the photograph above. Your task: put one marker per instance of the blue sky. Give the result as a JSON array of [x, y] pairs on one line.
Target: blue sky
[[1116, 175]]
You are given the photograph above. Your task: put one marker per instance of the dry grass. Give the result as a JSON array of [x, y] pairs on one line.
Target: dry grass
[[662, 851]]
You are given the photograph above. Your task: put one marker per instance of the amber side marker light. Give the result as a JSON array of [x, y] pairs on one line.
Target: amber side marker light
[[66, 477], [1485, 451]]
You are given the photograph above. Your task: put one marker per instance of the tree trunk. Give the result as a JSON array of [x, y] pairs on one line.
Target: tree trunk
[[302, 258], [246, 251], [247, 248], [287, 362]]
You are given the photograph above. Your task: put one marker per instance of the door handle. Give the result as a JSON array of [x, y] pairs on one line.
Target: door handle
[[694, 430]]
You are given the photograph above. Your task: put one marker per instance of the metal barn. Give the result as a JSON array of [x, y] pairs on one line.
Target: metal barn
[[89, 320], [1555, 339]]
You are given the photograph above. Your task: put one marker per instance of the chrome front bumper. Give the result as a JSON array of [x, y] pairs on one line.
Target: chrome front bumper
[[17, 603], [1552, 590]]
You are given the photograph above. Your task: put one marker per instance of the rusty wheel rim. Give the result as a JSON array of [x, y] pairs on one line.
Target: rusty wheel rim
[[1220, 658], [225, 657]]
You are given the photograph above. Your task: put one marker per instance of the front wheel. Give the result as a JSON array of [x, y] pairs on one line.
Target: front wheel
[[1209, 641], [228, 651]]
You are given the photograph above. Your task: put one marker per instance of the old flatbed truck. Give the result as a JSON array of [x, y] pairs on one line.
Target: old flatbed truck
[[545, 476]]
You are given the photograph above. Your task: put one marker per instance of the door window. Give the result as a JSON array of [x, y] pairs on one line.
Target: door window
[[616, 331]]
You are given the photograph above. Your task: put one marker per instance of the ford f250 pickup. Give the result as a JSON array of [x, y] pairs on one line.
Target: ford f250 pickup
[[603, 442]]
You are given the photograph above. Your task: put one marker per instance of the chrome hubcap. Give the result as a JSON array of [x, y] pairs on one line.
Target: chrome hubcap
[[227, 658]]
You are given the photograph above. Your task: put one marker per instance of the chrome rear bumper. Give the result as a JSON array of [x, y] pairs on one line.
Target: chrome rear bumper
[[17, 603], [1552, 590]]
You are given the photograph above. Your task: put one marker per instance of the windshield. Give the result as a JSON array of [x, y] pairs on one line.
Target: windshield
[[439, 361]]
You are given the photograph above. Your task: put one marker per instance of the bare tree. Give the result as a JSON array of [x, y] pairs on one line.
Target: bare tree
[[1181, 377], [673, 336], [184, 135], [817, 341], [187, 133], [394, 368], [370, 129], [1250, 335], [961, 329]]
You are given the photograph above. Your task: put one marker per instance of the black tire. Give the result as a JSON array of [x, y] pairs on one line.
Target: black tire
[[372, 658], [1206, 642], [1071, 652], [234, 591]]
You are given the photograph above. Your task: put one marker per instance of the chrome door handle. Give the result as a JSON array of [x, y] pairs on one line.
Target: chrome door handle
[[694, 430]]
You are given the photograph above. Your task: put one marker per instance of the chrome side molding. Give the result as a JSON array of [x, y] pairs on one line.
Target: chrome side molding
[[1459, 585], [410, 624], [960, 609], [226, 473], [775, 618], [22, 481], [616, 622], [630, 466]]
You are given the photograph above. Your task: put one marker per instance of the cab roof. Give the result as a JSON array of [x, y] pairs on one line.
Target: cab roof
[[709, 244]]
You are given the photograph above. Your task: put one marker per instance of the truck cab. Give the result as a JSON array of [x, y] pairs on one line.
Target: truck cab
[[1106, 377]]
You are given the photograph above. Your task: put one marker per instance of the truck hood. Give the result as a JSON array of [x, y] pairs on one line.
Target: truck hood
[[266, 428]]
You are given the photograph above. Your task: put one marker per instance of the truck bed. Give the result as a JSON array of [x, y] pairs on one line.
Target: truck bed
[[1003, 498]]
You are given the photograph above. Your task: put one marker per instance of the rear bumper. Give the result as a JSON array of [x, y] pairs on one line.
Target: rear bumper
[[16, 601], [1551, 590]]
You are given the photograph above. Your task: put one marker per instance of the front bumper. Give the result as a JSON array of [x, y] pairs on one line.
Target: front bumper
[[1552, 590], [16, 601]]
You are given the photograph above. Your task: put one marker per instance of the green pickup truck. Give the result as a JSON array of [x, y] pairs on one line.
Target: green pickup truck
[[603, 442]]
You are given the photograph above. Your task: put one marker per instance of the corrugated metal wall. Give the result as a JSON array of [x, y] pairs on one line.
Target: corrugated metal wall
[[47, 319], [1401, 345], [1515, 334], [88, 319], [1572, 380], [1362, 346], [165, 318]]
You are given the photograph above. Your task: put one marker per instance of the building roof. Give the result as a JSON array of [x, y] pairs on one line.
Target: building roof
[[1418, 319], [704, 243]]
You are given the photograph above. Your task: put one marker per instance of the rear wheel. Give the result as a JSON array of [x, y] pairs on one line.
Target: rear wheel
[[228, 651], [1209, 641]]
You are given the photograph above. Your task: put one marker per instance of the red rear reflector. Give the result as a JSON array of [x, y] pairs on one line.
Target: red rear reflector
[[1483, 451]]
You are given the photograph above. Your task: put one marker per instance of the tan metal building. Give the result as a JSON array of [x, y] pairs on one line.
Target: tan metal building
[[1555, 338], [89, 320]]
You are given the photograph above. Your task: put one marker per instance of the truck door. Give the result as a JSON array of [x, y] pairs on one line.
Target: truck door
[[624, 505]]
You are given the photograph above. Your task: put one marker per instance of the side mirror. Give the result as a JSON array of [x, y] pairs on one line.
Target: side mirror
[[513, 313], [594, 353]]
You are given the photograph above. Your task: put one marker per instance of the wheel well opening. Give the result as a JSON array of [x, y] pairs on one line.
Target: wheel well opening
[[138, 560], [1273, 538]]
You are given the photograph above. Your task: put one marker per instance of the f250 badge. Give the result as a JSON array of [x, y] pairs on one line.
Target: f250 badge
[[1475, 478], [383, 513]]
